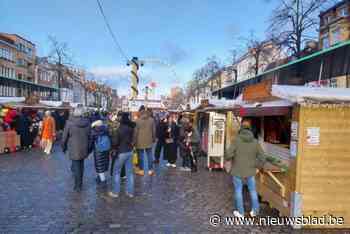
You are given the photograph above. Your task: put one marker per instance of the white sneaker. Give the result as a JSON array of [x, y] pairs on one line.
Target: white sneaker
[[187, 169], [173, 165], [237, 214], [114, 195], [129, 195], [168, 165], [252, 213]]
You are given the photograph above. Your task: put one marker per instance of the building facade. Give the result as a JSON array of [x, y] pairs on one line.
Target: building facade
[[18, 68], [335, 25], [245, 67], [46, 74]]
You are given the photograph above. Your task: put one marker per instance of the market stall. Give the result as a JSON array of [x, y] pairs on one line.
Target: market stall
[[304, 132], [217, 129], [10, 141]]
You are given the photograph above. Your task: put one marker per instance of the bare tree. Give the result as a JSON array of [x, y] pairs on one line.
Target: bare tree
[[294, 22], [61, 57], [201, 76], [262, 52]]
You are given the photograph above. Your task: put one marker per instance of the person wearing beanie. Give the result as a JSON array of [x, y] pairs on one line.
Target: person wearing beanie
[[247, 155], [101, 146], [76, 141]]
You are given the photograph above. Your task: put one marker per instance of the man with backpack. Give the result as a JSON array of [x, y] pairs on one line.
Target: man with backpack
[[101, 145]]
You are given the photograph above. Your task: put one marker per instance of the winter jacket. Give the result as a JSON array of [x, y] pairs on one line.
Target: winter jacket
[[101, 158], [113, 127], [76, 138], [246, 154], [124, 137], [145, 132], [161, 129], [97, 132], [174, 132], [49, 128]]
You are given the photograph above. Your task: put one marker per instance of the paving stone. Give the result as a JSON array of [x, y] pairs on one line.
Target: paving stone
[[36, 196]]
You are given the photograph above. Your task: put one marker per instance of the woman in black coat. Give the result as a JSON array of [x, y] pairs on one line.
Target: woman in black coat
[[23, 129], [171, 137], [101, 157]]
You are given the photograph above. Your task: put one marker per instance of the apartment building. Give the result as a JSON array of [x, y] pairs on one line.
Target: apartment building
[[245, 67], [335, 25], [18, 68], [46, 74]]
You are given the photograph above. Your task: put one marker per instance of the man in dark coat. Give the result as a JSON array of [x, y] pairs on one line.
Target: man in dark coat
[[76, 140], [160, 133]]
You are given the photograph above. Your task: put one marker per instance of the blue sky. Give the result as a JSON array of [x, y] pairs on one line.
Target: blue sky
[[182, 33]]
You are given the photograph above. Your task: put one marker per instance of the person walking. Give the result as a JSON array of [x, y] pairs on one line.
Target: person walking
[[247, 156], [22, 129], [160, 133], [75, 140], [101, 146], [48, 132], [113, 126], [189, 147], [144, 138], [124, 144], [171, 141]]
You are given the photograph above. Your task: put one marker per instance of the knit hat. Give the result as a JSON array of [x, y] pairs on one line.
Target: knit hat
[[97, 123]]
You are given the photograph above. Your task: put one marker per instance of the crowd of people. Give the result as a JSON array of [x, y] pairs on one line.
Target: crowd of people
[[125, 147], [117, 142], [34, 127]]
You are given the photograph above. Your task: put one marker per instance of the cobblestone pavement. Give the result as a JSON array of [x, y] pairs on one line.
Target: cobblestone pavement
[[36, 197]]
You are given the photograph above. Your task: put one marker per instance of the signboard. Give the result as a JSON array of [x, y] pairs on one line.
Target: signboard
[[294, 130], [134, 105], [313, 136], [293, 148], [258, 92]]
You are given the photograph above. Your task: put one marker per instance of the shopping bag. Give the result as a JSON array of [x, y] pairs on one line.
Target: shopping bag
[[135, 159]]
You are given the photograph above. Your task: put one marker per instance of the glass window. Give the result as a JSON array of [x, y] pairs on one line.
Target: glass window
[[336, 34], [343, 12], [325, 41]]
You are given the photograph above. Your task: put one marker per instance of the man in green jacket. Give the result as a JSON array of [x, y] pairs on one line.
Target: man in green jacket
[[246, 155], [144, 138]]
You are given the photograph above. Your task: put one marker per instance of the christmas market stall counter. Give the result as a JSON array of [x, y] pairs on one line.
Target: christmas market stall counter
[[307, 149], [210, 119]]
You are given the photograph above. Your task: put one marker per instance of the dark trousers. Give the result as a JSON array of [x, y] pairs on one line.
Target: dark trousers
[[170, 152], [78, 171], [186, 158], [158, 150]]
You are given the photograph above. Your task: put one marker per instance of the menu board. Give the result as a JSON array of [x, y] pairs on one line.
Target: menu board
[[313, 136]]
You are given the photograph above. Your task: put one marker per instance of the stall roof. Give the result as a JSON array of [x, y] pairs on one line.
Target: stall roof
[[300, 94], [214, 103], [4, 100]]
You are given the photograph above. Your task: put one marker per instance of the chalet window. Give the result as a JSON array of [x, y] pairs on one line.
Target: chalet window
[[343, 12]]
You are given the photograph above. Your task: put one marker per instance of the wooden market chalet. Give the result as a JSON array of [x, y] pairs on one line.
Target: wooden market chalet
[[301, 117]]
